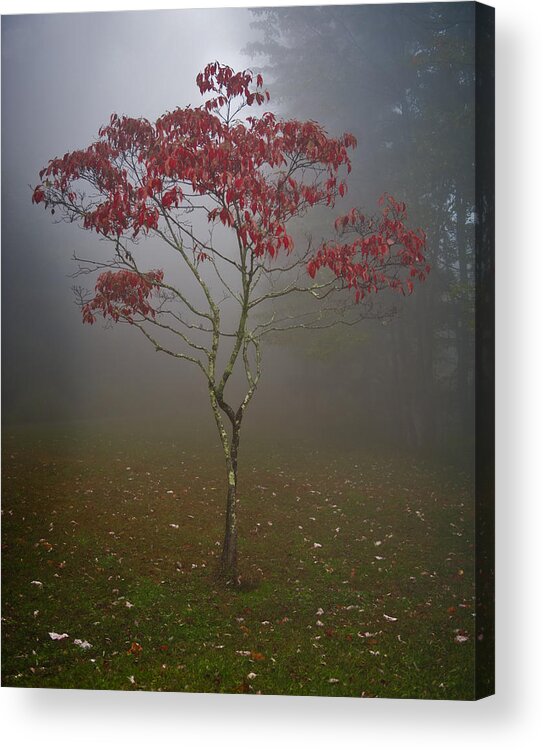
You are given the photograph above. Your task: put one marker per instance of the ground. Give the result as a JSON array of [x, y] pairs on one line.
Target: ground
[[357, 569]]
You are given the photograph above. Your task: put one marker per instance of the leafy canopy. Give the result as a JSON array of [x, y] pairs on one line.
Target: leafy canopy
[[251, 175]]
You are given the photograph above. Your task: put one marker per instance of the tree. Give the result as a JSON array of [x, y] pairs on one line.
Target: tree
[[405, 75], [245, 180]]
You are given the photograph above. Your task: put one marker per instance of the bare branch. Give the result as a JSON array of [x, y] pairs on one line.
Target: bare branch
[[160, 348]]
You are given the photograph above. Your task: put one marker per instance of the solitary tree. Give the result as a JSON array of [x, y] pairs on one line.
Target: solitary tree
[[219, 192]]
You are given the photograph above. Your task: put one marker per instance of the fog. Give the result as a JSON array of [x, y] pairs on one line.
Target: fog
[[63, 75], [399, 77]]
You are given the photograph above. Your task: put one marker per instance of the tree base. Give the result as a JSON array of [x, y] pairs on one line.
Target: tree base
[[229, 577], [228, 573]]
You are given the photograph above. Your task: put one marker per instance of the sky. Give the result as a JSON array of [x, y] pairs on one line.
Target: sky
[[62, 77]]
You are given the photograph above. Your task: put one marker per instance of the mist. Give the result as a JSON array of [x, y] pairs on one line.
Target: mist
[[167, 526], [62, 78], [408, 384]]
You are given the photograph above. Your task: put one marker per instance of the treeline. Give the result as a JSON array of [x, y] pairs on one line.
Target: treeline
[[402, 79]]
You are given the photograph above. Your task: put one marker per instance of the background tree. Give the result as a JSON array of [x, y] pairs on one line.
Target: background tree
[[220, 192], [403, 76]]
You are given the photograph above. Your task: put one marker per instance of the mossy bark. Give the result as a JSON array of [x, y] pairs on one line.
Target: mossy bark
[[229, 555]]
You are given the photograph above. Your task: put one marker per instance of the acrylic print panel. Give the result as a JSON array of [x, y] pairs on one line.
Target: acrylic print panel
[[257, 455]]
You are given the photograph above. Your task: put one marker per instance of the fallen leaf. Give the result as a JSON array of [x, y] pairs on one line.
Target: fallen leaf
[[82, 644], [58, 636], [135, 648]]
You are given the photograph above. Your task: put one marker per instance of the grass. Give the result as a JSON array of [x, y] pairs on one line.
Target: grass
[[115, 540]]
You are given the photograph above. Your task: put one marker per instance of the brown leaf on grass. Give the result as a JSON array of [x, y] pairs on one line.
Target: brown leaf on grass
[[257, 656], [135, 648]]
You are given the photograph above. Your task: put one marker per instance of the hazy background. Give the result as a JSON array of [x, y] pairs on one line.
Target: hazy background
[[401, 78]]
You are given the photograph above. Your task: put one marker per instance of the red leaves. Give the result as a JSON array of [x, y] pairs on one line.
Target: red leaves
[[226, 217], [384, 254], [123, 295], [137, 172], [222, 80], [38, 196], [172, 197], [257, 175]]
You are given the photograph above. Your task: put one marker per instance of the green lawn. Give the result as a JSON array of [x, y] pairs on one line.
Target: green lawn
[[357, 570]]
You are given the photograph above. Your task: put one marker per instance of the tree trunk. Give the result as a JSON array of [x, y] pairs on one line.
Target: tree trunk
[[229, 555]]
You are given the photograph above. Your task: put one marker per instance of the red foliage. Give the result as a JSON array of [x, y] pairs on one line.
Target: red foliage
[[255, 176], [384, 254], [222, 80], [123, 294], [259, 173]]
